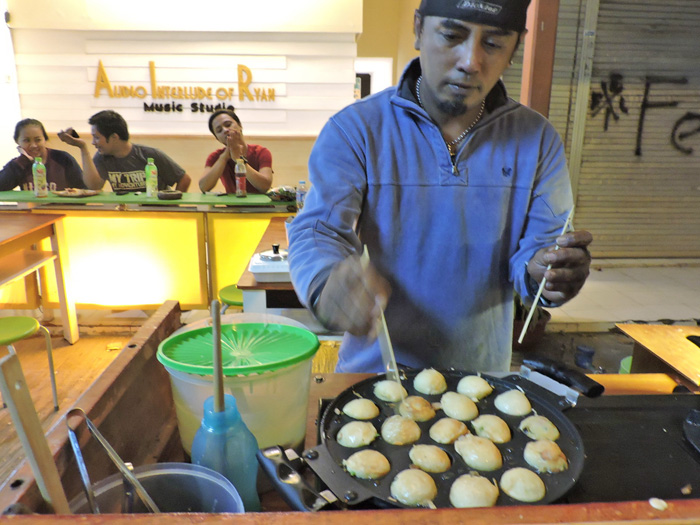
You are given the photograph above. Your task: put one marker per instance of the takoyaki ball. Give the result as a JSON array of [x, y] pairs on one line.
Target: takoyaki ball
[[474, 387], [361, 409], [539, 427], [479, 453], [389, 391], [430, 458], [356, 434], [458, 406], [545, 456], [414, 488], [492, 427], [447, 430], [523, 484], [417, 408], [513, 403], [430, 382], [399, 430], [471, 490], [367, 464]]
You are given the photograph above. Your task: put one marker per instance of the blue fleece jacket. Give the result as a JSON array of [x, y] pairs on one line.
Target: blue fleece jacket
[[452, 240]]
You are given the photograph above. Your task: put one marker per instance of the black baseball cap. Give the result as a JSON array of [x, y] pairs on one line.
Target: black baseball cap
[[506, 14]]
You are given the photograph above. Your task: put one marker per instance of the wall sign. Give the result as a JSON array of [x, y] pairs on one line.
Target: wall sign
[[179, 98]]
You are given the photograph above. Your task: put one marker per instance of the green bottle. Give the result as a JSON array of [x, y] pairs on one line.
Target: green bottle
[[39, 178], [151, 179]]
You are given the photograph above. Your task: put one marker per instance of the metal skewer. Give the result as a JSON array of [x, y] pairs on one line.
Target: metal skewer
[[543, 282]]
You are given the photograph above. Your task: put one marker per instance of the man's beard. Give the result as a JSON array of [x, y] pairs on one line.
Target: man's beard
[[453, 108]]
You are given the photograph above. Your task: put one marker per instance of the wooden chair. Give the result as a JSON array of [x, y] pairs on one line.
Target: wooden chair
[[16, 328]]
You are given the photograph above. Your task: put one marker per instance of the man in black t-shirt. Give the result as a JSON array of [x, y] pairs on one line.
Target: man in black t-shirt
[[120, 161]]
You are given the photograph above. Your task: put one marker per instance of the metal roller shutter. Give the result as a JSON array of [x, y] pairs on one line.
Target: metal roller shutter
[[638, 180]]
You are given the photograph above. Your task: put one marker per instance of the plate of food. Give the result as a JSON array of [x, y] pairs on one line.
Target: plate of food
[[76, 192]]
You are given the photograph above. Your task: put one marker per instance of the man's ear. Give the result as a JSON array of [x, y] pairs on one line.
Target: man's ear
[[417, 29], [521, 40]]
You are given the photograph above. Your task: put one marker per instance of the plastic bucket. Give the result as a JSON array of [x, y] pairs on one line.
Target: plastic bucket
[[273, 405], [272, 395], [174, 487]]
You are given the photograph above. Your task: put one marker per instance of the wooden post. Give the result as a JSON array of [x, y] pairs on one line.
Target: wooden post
[[31, 435], [538, 55]]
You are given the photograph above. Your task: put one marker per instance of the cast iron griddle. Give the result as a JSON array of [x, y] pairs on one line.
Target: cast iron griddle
[[635, 448], [328, 462]]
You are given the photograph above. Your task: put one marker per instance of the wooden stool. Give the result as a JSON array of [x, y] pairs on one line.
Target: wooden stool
[[16, 328], [230, 296]]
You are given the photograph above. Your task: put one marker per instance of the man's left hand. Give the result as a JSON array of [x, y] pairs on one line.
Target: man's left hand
[[570, 266]]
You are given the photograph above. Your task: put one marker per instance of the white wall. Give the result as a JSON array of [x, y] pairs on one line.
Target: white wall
[[9, 97], [302, 50], [252, 16]]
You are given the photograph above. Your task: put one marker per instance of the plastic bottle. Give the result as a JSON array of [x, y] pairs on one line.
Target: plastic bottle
[[151, 179], [301, 195], [240, 173], [357, 92], [39, 178], [224, 443]]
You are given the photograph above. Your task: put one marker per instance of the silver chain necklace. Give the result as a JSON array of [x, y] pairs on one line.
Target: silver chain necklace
[[452, 144]]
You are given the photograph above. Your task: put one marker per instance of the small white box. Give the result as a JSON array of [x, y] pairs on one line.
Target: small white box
[[269, 271]]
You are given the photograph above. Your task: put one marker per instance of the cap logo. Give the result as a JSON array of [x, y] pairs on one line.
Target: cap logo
[[485, 7]]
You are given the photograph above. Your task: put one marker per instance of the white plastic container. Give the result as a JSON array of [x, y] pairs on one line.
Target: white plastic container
[[271, 390], [273, 405], [266, 271]]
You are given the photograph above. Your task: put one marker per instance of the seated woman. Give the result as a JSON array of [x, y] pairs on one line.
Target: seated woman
[[226, 127], [62, 170]]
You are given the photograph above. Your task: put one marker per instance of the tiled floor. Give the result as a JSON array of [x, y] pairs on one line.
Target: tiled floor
[[632, 290]]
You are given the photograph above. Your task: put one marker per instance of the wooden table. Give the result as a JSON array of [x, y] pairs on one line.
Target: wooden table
[[665, 349], [19, 233], [257, 296]]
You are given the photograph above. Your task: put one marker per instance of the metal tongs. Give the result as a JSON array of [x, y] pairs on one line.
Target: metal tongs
[[131, 483]]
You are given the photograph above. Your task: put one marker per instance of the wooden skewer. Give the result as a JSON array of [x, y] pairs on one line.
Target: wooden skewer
[[543, 282], [16, 395]]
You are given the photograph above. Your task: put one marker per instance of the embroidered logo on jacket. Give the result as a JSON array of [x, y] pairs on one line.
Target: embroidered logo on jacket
[[485, 7]]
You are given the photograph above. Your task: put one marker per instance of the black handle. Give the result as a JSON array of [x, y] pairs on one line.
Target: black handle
[[691, 428], [565, 375], [295, 491]]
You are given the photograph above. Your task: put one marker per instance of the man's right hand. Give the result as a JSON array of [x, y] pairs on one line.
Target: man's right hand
[[353, 297], [235, 144], [66, 136]]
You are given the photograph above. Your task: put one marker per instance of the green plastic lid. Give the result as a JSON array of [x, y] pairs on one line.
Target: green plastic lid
[[246, 348]]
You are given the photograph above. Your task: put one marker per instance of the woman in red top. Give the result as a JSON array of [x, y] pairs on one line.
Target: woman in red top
[[226, 127]]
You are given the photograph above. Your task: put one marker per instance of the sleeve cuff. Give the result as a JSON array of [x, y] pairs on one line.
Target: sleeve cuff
[[532, 287]]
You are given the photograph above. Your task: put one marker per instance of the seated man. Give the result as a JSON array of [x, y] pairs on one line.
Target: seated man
[[120, 161], [226, 127]]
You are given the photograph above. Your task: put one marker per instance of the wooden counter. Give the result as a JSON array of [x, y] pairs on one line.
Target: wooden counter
[[665, 349], [202, 201], [171, 250], [259, 296], [147, 432]]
